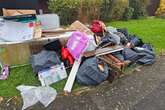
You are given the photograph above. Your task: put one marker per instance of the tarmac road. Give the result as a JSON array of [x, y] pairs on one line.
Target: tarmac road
[[143, 90]]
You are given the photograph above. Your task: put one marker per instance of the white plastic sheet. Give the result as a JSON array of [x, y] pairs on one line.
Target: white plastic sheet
[[49, 21], [31, 95]]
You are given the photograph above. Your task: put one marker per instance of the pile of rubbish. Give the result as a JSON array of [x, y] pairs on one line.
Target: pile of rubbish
[[89, 55]]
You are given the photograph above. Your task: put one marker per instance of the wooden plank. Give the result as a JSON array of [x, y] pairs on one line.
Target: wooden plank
[[107, 50], [103, 51], [14, 54], [111, 64]]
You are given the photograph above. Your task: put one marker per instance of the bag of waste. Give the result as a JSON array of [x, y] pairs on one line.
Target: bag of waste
[[149, 55], [140, 55], [44, 60], [111, 38], [89, 72]]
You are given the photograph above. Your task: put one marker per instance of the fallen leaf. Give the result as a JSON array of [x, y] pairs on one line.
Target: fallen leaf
[[137, 69], [1, 99]]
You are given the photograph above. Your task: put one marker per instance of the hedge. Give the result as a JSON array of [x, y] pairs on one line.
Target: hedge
[[87, 10]]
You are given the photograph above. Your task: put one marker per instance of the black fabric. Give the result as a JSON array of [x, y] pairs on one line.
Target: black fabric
[[53, 46], [19, 18], [124, 31]]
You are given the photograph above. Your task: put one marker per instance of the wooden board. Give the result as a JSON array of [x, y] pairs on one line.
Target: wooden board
[[103, 51], [14, 54], [19, 53]]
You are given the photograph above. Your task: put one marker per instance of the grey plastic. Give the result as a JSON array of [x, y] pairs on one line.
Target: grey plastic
[[49, 21]]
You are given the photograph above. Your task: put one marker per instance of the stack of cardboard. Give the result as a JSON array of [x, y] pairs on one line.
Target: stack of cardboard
[[16, 51]]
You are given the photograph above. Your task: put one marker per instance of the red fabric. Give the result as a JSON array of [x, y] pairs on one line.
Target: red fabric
[[97, 26], [67, 56], [31, 24]]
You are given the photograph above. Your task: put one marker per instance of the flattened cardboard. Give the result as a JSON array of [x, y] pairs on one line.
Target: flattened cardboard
[[77, 25], [12, 12]]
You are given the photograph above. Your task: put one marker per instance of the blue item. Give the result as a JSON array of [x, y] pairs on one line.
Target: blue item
[[140, 55], [43, 60], [89, 73], [148, 58]]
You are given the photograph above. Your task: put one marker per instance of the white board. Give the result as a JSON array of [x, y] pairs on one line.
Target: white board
[[72, 76], [11, 31]]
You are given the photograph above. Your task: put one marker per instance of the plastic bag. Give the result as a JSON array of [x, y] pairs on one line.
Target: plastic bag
[[31, 95]]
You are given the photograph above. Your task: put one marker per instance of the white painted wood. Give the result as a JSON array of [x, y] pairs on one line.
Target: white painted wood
[[72, 76]]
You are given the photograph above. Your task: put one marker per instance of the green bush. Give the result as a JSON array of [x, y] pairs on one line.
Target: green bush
[[105, 10], [66, 9], [87, 10], [139, 7], [71, 10], [128, 13], [113, 9], [118, 8]]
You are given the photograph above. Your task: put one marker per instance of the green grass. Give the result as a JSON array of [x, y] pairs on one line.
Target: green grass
[[150, 30], [24, 76], [18, 76]]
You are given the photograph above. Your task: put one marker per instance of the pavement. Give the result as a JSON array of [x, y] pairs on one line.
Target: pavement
[[142, 90]]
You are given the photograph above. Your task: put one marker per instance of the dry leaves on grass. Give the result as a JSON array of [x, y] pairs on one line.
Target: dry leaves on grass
[[1, 99]]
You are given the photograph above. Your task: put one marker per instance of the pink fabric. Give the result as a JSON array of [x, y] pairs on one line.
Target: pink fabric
[[5, 73]]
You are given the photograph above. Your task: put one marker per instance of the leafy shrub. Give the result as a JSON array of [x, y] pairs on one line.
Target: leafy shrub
[[113, 9], [105, 10], [128, 13], [87, 10], [139, 7], [90, 9], [118, 8], [66, 9], [71, 10]]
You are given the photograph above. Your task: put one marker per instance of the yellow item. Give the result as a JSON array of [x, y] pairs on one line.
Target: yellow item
[[161, 10]]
